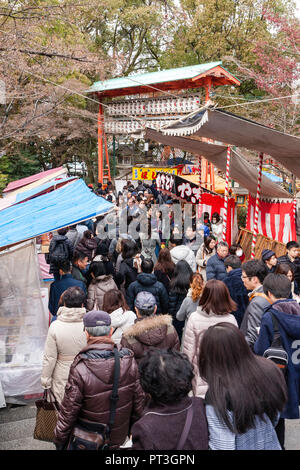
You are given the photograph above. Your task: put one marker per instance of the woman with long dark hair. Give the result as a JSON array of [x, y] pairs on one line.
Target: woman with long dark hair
[[179, 287], [245, 393], [215, 305], [206, 250], [164, 268], [129, 265]]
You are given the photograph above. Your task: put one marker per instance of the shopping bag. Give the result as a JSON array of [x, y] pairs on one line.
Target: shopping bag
[[46, 417]]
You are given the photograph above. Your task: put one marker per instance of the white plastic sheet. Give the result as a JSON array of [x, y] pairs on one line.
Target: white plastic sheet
[[23, 323]]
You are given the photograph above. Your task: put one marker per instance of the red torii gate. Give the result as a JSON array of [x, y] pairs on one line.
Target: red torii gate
[[183, 78]]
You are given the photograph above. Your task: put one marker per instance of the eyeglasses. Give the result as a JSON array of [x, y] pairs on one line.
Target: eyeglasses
[[245, 277]]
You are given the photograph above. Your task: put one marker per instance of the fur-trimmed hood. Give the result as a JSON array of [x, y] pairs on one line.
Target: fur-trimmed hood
[[150, 331]]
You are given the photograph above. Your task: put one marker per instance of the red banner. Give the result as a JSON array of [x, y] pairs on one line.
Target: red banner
[[276, 220], [213, 203], [191, 193]]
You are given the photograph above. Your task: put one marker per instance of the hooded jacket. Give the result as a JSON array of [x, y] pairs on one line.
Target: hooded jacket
[[149, 283], [287, 313], [183, 252], [120, 321], [89, 388], [64, 340], [156, 331], [97, 289]]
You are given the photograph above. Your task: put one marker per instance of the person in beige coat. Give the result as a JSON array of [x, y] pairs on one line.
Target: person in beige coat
[[206, 251], [64, 341], [101, 283], [214, 305]]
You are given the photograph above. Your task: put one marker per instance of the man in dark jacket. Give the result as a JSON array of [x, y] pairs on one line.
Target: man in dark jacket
[[87, 395], [147, 281], [60, 246], [79, 265], [253, 275], [215, 267], [150, 330], [269, 258], [237, 290], [58, 287], [287, 313], [292, 259]]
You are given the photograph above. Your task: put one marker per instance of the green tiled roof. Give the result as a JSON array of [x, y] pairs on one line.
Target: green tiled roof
[[181, 73]]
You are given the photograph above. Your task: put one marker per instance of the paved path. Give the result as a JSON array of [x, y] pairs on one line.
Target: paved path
[[17, 425]]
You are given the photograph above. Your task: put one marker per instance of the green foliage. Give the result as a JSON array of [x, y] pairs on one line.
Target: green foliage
[[242, 216], [18, 165]]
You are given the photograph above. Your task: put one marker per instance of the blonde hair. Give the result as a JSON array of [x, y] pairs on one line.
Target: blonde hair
[[197, 286]]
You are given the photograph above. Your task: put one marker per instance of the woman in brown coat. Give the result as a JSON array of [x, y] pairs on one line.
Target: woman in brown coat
[[214, 307], [101, 283]]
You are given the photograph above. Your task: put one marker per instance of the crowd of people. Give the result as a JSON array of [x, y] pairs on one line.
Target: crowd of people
[[183, 319]]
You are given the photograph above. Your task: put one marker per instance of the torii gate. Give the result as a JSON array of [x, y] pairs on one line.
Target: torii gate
[[196, 76]]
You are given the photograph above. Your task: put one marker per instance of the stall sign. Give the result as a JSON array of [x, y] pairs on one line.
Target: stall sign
[[147, 173]]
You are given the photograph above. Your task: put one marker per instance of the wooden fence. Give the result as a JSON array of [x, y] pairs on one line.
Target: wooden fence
[[262, 243]]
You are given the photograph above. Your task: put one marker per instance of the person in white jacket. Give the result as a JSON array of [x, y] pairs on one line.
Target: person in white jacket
[[179, 252], [122, 318], [64, 341]]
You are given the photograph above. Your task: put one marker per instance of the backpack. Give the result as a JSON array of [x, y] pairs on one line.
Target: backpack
[[276, 351], [59, 252]]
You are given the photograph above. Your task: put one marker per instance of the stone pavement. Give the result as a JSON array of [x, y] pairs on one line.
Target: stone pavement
[[17, 425]]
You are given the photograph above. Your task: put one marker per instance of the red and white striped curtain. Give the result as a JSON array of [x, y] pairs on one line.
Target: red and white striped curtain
[[276, 220]]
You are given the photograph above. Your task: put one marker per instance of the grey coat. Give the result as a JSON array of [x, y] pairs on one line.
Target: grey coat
[[253, 315]]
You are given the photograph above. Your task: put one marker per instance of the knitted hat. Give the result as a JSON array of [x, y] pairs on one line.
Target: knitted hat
[[267, 254]]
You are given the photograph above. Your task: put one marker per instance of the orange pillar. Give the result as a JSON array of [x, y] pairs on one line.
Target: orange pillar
[[100, 143]]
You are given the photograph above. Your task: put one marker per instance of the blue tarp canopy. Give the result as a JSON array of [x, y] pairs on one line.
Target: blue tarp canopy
[[65, 206], [275, 178]]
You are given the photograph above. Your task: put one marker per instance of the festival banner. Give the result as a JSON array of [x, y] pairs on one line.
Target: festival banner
[[193, 194], [146, 173], [276, 220]]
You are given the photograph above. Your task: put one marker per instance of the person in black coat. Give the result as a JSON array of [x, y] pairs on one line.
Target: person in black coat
[[128, 267], [269, 258], [147, 281], [63, 239], [234, 282], [292, 258], [179, 287]]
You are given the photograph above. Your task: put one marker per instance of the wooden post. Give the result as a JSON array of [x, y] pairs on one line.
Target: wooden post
[[257, 205]]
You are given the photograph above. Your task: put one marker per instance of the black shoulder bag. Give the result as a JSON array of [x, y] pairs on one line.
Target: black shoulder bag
[[276, 351], [94, 436]]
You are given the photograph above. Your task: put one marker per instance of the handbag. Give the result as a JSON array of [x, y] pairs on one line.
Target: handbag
[[94, 436], [46, 417]]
